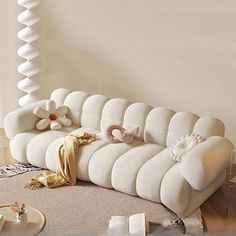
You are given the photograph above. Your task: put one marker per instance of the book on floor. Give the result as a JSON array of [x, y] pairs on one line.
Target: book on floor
[[135, 224], [2, 221]]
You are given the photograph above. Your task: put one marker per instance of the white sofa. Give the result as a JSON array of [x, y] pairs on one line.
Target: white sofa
[[144, 168]]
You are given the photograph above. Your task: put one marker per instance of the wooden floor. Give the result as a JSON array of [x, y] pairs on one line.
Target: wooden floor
[[217, 219], [219, 211], [5, 156]]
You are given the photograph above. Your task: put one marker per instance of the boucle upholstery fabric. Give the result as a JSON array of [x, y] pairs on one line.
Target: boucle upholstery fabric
[[204, 163], [144, 167], [181, 123], [113, 112], [151, 170], [92, 111], [103, 160], [157, 125], [21, 120], [18, 145], [75, 101], [126, 168]]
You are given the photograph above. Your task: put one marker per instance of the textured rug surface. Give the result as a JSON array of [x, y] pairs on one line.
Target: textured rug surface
[[16, 169], [81, 207]]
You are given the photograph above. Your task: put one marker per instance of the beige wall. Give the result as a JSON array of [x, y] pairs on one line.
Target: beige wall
[[179, 54], [9, 76]]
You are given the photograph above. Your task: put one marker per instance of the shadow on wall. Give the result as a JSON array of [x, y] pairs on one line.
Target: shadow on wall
[[77, 69]]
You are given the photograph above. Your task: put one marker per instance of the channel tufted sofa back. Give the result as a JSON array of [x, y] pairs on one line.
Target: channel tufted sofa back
[[158, 125]]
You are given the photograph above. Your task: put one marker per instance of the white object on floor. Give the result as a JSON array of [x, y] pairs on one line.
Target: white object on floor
[[133, 225]]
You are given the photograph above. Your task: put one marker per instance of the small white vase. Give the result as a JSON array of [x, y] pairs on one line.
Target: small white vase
[[21, 216]]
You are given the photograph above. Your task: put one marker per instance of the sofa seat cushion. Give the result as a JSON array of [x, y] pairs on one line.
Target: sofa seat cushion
[[127, 166], [103, 160], [37, 146], [84, 155], [175, 191], [150, 175], [19, 143]]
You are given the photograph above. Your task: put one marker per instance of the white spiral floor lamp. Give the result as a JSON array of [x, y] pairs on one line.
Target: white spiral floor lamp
[[28, 51]]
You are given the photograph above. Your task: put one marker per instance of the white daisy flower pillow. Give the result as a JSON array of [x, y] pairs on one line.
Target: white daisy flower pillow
[[52, 117]]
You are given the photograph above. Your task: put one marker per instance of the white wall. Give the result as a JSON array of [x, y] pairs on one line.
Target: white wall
[[180, 54]]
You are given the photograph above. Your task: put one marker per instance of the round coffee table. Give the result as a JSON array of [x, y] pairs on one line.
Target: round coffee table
[[33, 225]]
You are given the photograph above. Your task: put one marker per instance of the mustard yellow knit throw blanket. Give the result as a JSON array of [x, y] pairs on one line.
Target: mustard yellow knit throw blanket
[[66, 164]]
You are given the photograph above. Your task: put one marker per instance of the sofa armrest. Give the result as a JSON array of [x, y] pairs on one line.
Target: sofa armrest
[[206, 161], [21, 120]]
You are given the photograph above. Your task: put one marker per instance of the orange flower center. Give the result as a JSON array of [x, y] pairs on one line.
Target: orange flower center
[[53, 116]]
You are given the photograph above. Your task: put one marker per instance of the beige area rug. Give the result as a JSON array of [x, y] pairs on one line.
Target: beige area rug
[[82, 209]]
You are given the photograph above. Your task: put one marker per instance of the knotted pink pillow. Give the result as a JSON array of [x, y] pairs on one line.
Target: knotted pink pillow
[[118, 134]]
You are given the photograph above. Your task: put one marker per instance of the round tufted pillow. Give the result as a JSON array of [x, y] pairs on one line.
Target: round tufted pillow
[[184, 145]]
